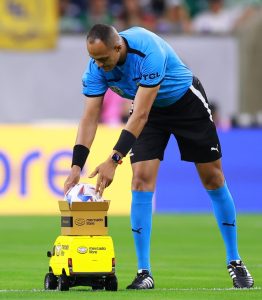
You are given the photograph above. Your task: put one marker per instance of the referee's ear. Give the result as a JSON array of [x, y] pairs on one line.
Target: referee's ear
[[118, 48]]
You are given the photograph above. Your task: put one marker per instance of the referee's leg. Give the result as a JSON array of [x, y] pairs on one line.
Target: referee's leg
[[213, 179], [211, 174], [145, 174], [143, 186]]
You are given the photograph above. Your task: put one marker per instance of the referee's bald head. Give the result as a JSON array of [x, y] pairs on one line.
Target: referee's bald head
[[105, 33]]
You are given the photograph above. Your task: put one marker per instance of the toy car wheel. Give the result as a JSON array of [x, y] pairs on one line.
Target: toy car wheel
[[50, 282], [98, 284], [96, 287], [111, 283], [63, 283]]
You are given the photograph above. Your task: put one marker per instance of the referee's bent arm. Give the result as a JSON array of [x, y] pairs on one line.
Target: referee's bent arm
[[143, 102]]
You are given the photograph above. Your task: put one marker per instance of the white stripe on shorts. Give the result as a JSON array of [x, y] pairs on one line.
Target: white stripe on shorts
[[203, 100]]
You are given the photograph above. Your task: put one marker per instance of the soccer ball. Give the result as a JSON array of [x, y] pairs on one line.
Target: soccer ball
[[82, 192]]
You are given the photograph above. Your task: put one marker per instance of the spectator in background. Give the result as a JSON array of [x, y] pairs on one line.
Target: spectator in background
[[134, 14], [158, 7], [163, 16], [70, 17], [98, 12], [175, 18], [218, 18], [195, 7]]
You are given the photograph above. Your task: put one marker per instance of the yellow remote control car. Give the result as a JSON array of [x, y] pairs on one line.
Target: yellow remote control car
[[81, 261]]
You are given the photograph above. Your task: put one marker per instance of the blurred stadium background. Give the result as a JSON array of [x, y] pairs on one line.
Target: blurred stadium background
[[42, 58]]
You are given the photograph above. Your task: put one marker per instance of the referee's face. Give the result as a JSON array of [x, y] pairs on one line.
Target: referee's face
[[104, 56]]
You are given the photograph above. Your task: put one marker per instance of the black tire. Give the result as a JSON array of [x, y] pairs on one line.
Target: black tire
[[111, 283], [63, 283], [50, 282], [97, 288]]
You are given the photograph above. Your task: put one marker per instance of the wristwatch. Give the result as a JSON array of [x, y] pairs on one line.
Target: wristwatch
[[117, 158]]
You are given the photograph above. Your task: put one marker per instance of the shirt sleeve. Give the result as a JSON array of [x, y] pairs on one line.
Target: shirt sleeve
[[153, 69], [93, 81]]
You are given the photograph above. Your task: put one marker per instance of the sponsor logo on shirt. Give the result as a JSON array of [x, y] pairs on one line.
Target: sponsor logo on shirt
[[147, 76]]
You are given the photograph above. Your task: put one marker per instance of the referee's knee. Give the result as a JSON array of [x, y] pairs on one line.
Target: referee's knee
[[214, 180], [142, 183]]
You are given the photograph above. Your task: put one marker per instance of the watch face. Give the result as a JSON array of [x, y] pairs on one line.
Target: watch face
[[116, 157]]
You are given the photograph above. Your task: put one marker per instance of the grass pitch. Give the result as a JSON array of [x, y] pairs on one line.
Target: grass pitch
[[188, 258]]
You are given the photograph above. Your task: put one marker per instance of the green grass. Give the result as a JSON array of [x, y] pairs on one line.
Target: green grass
[[188, 258]]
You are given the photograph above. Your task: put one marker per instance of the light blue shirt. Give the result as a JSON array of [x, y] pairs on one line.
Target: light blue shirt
[[150, 61]]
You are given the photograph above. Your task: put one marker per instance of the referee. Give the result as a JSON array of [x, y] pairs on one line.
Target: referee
[[167, 99]]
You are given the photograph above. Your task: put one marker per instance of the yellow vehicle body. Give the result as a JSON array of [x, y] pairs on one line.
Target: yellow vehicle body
[[82, 255], [81, 260]]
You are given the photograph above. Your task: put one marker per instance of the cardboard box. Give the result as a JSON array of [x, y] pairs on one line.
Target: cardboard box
[[84, 218]]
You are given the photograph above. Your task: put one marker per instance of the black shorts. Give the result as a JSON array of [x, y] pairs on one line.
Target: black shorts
[[189, 120]]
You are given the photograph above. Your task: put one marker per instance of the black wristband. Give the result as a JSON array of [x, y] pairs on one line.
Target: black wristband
[[80, 154], [125, 142]]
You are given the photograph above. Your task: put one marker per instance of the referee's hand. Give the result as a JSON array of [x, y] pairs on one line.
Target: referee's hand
[[105, 172], [72, 179]]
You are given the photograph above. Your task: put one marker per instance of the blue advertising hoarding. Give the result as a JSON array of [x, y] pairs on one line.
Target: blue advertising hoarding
[[179, 188]]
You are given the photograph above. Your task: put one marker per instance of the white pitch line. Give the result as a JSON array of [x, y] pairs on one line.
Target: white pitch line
[[164, 289], [208, 289], [22, 291]]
